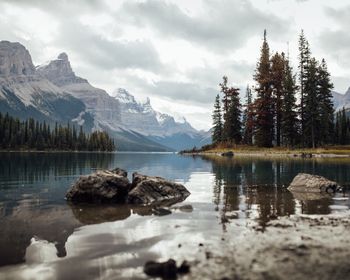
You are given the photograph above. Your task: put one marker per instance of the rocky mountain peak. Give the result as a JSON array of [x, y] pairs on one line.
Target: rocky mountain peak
[[59, 71], [63, 56], [123, 96], [15, 59]]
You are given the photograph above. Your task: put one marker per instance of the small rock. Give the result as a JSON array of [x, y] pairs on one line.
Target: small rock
[[184, 268], [228, 154], [166, 269]]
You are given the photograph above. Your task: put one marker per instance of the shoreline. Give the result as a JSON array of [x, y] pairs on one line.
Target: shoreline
[[304, 154], [273, 252]]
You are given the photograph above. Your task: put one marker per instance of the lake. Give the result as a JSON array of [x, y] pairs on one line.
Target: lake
[[44, 237]]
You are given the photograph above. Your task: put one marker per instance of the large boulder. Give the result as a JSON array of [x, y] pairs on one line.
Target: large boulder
[[312, 184], [149, 190], [102, 186]]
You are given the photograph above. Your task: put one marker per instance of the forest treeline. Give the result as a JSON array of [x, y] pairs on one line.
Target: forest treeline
[[35, 135], [290, 109]]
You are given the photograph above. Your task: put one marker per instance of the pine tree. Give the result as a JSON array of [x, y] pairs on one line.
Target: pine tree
[[232, 111], [248, 118], [311, 105], [326, 107], [264, 108], [289, 118], [304, 60], [217, 121], [277, 79]]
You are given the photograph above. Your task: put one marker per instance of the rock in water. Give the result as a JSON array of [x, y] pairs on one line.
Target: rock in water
[[167, 270], [312, 183], [228, 154], [150, 190], [102, 186]]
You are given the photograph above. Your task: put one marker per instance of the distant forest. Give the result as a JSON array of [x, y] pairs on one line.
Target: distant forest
[[291, 109], [34, 135]]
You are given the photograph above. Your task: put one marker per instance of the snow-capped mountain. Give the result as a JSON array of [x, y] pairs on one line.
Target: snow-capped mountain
[[53, 92], [159, 127], [24, 93], [341, 100]]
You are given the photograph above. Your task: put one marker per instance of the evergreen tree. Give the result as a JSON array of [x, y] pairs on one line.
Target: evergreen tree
[[304, 60], [289, 120], [326, 107], [232, 112], [264, 107], [248, 118], [277, 79], [217, 121], [311, 105], [31, 134]]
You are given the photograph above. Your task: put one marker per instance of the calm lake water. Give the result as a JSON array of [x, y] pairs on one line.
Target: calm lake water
[[43, 236]]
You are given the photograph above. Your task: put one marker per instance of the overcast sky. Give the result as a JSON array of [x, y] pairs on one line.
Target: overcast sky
[[177, 51]]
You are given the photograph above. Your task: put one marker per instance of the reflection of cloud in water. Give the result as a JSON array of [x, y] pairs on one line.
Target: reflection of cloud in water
[[40, 251]]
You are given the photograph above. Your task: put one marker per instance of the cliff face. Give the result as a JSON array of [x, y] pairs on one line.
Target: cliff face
[[24, 93], [15, 60]]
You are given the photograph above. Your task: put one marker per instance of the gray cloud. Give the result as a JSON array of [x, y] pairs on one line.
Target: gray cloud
[[336, 42], [225, 25], [107, 54]]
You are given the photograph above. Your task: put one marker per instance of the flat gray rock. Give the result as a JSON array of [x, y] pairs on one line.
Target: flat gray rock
[[312, 184], [149, 190]]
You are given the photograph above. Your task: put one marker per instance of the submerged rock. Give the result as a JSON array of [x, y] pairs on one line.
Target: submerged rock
[[150, 190], [102, 186], [312, 184]]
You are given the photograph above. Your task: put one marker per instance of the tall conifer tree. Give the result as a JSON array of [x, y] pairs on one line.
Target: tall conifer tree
[[217, 121], [326, 104], [248, 118], [264, 101], [289, 119]]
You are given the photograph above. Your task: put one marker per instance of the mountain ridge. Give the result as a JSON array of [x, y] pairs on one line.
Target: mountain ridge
[[53, 92]]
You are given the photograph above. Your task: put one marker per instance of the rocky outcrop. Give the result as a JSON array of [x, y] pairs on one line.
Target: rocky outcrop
[[102, 186], [15, 59], [308, 183], [59, 71], [114, 186], [151, 190]]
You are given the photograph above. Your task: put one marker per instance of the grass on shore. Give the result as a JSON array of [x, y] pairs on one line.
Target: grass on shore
[[336, 150]]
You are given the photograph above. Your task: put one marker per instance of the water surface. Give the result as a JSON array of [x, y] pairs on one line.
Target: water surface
[[43, 236]]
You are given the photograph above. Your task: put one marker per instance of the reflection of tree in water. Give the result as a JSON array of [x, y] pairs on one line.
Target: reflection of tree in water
[[33, 167], [243, 183]]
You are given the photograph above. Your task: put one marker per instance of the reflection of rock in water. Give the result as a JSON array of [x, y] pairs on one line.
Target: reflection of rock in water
[[54, 225], [311, 196], [314, 203], [95, 214]]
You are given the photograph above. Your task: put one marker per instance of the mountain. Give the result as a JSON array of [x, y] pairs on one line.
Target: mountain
[[135, 125], [159, 127], [105, 108], [341, 100], [24, 93], [54, 93]]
